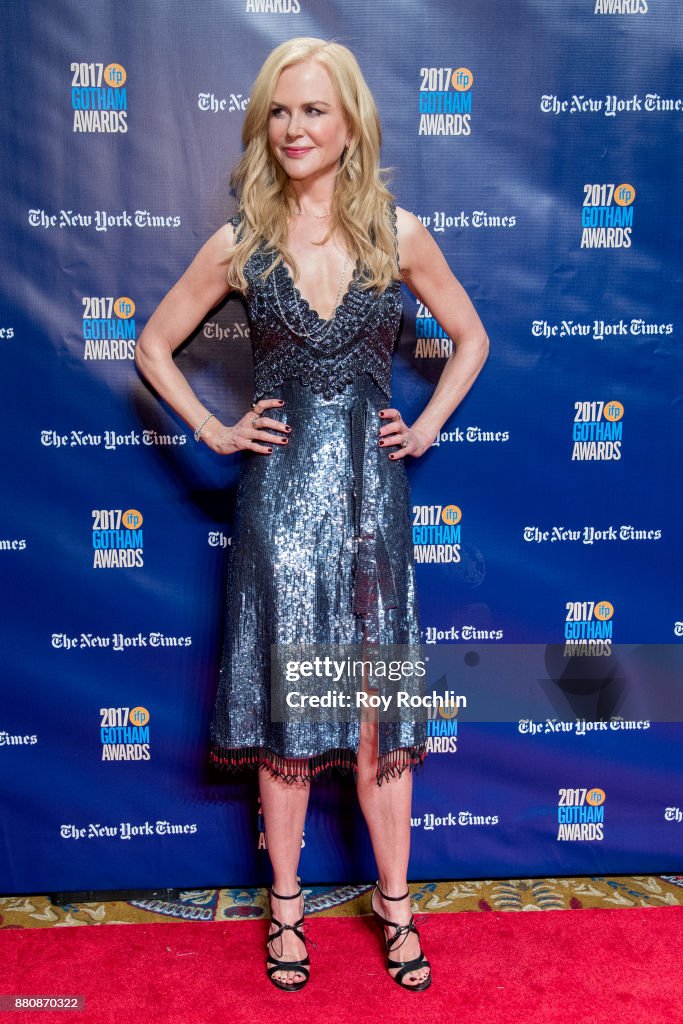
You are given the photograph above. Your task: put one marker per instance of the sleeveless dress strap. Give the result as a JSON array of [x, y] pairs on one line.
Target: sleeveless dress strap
[[392, 212], [236, 222]]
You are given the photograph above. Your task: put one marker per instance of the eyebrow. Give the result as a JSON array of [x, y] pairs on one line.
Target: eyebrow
[[307, 103]]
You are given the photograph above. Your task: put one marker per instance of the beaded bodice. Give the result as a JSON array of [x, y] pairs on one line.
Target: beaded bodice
[[290, 340]]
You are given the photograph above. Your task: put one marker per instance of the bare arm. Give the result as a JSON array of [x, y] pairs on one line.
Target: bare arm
[[427, 274], [201, 287]]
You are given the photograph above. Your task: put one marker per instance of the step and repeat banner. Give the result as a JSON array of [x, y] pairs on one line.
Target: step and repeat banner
[[539, 142]]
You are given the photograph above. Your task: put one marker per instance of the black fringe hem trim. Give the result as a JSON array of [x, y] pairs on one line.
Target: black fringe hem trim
[[393, 764], [305, 769]]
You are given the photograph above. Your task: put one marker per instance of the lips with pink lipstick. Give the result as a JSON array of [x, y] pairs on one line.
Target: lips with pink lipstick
[[295, 151]]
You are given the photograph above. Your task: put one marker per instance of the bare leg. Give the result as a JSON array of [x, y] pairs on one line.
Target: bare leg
[[284, 811], [386, 809]]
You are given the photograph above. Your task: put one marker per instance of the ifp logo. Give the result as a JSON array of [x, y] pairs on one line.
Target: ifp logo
[[604, 610], [115, 75], [139, 716], [124, 308], [613, 411], [624, 195], [462, 79], [451, 514], [132, 519]]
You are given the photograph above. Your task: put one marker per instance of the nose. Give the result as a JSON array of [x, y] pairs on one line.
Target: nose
[[294, 125]]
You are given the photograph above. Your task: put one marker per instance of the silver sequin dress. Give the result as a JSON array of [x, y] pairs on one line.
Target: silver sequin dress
[[296, 572]]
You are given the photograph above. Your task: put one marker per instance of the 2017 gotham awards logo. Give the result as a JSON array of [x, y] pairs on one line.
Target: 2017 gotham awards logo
[[117, 538], [108, 327], [597, 431], [580, 815], [588, 628], [445, 101], [436, 533], [99, 98], [124, 733], [607, 216]]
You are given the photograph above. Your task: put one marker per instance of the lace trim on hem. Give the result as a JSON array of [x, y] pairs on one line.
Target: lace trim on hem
[[290, 770]]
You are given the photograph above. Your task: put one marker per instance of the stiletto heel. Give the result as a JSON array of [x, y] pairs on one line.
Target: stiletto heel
[[405, 966], [273, 965]]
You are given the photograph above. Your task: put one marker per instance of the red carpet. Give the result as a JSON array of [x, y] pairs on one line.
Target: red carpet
[[589, 966]]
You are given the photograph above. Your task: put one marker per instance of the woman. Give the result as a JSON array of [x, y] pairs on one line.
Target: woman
[[321, 549]]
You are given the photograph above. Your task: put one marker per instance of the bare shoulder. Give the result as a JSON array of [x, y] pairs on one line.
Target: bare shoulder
[[414, 240], [407, 224], [210, 264], [220, 244], [204, 282]]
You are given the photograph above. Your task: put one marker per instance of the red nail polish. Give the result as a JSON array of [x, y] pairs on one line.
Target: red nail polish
[[269, 450]]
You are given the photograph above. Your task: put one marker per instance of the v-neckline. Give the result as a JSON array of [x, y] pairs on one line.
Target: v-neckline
[[304, 301]]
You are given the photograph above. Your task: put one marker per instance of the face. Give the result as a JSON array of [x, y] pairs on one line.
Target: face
[[307, 130]]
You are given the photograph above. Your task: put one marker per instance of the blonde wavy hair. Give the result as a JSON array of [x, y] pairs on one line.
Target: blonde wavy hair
[[360, 207]]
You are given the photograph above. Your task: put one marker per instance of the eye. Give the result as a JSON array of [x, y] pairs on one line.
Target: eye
[[275, 111], [313, 110]]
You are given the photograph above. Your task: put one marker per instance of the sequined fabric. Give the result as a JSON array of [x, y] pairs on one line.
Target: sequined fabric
[[297, 572]]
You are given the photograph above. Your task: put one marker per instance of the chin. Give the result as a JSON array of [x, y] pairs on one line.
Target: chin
[[296, 171]]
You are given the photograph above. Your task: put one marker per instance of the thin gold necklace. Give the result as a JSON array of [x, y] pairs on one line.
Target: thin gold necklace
[[318, 216]]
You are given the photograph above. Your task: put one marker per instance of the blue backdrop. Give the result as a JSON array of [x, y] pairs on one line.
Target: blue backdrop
[[540, 145]]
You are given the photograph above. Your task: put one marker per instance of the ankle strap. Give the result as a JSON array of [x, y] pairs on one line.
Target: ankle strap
[[278, 897], [385, 897]]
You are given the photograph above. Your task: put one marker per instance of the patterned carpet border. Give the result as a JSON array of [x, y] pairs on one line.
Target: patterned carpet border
[[518, 894]]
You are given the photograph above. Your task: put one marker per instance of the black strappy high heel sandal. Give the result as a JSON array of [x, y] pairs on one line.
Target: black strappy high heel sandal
[[406, 966], [273, 965]]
